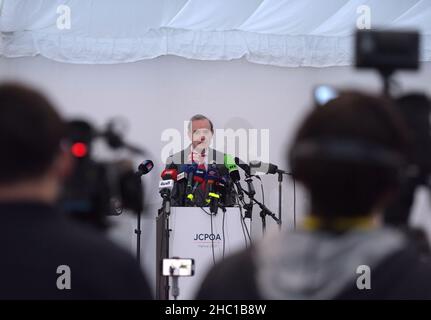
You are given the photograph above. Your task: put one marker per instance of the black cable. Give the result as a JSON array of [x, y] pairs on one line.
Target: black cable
[[208, 213], [242, 221], [247, 231], [243, 224], [244, 227], [212, 240], [224, 240]]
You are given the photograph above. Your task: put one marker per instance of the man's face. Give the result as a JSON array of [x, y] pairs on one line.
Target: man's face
[[200, 134]]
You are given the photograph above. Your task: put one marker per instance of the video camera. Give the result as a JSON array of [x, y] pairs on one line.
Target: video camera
[[387, 52], [97, 189]]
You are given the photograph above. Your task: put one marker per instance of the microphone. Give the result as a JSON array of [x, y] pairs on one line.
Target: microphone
[[165, 187], [181, 182], [234, 174], [213, 178], [182, 176], [244, 166], [169, 176], [265, 168], [198, 178], [145, 167], [221, 186], [190, 170], [248, 178]]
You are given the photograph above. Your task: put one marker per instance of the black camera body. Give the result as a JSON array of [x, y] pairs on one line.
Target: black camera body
[[387, 51], [97, 189]]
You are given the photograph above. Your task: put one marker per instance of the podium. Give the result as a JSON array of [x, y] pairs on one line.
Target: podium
[[195, 233]]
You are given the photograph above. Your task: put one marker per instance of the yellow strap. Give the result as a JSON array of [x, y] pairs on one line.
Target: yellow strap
[[214, 195], [340, 224]]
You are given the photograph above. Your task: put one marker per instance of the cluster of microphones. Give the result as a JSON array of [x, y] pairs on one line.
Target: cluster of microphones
[[219, 186], [192, 177]]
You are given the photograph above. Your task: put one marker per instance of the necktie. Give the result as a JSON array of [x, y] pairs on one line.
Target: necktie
[[203, 184]]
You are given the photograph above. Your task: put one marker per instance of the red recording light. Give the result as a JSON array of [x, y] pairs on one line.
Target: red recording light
[[79, 150]]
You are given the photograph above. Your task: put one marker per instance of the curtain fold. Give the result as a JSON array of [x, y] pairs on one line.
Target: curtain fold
[[290, 33]]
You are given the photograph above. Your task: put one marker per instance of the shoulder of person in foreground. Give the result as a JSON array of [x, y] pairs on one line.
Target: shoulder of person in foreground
[[102, 268], [231, 279], [403, 275]]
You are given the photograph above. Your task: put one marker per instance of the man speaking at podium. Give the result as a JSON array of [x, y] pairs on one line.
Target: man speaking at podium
[[199, 154]]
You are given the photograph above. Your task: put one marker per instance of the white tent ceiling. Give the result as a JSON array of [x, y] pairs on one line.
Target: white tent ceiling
[[278, 32]]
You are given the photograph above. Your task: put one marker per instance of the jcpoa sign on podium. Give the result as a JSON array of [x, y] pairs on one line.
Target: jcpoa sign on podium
[[206, 238]]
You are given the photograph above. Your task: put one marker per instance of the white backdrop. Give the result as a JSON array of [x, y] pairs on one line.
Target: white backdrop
[[161, 93]]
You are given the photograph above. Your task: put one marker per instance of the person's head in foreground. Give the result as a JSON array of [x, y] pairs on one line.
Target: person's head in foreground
[[33, 163], [44, 255], [348, 154]]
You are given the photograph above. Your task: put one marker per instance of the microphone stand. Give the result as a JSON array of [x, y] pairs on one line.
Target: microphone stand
[[166, 204], [264, 212], [280, 183], [251, 192], [280, 192], [138, 231], [166, 211]]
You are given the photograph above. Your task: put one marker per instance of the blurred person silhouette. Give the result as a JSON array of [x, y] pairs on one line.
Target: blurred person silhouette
[[348, 154], [44, 255], [415, 109]]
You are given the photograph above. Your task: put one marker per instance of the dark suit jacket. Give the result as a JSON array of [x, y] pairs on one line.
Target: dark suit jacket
[[178, 194], [35, 240]]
